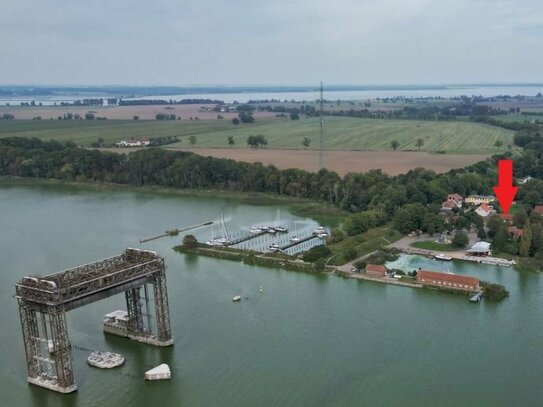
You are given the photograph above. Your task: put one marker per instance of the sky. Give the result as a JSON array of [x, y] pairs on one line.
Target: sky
[[274, 42]]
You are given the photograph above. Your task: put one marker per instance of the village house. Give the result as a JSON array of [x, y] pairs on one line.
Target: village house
[[479, 249], [525, 180], [133, 143], [484, 210], [376, 270], [450, 281], [514, 232], [539, 209], [453, 201], [480, 199]]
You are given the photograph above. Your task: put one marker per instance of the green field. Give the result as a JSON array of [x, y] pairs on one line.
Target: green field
[[341, 133], [369, 134], [84, 132]]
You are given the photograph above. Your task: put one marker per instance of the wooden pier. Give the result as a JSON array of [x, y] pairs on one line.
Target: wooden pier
[[292, 244], [245, 238]]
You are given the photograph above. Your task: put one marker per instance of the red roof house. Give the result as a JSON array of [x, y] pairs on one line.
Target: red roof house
[[514, 232], [451, 281], [376, 270]]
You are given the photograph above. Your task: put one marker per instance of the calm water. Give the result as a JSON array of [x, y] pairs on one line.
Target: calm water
[[371, 93], [308, 340]]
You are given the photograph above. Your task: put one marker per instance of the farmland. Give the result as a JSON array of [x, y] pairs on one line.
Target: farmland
[[341, 133]]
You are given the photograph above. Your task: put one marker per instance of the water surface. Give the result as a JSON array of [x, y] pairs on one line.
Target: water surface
[[308, 340]]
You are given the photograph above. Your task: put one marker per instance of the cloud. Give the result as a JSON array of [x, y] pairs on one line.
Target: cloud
[[281, 42]]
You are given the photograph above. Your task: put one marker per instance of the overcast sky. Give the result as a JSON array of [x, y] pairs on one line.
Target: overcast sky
[[187, 42]]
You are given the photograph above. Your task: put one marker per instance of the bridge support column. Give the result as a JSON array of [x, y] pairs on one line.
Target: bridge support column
[[48, 351], [135, 315], [164, 332]]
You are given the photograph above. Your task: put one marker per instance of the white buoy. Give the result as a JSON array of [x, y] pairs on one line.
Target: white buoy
[[261, 289]]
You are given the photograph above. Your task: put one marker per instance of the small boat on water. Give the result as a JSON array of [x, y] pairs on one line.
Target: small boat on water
[[281, 229], [322, 235], [261, 290], [294, 239], [320, 231], [255, 230], [274, 247], [441, 256], [236, 298]]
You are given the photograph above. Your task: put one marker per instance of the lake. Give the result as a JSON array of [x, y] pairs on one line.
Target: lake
[[372, 92], [307, 340]]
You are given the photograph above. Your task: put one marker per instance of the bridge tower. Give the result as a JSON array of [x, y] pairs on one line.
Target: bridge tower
[[44, 301]]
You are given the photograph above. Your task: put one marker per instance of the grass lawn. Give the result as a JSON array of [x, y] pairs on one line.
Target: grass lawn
[[341, 133], [364, 243], [440, 247]]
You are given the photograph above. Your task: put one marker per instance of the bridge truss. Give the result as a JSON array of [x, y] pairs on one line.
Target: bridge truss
[[44, 301]]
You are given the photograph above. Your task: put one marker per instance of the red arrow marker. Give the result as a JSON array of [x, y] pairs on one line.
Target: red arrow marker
[[505, 191]]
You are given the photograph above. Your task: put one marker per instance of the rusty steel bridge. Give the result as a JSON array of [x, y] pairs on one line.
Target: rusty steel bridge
[[44, 301]]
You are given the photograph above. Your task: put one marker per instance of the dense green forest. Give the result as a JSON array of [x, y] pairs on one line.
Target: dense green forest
[[411, 200]]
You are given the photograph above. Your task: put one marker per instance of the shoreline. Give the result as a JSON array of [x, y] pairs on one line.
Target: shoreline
[[289, 264], [298, 206]]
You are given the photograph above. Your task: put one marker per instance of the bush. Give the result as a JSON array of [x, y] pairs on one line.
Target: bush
[[316, 253], [460, 239], [320, 264], [190, 241], [494, 292], [350, 254]]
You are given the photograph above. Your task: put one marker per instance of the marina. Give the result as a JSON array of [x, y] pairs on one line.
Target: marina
[[268, 238]]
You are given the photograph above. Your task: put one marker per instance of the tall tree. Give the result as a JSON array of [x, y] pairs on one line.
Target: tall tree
[[419, 143], [394, 144], [306, 142], [526, 239]]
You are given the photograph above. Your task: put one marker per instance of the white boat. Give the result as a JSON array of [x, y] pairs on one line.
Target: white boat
[[271, 229], [261, 290], [255, 230], [441, 256], [274, 247], [320, 231], [219, 240], [237, 298], [322, 235], [294, 239], [276, 226]]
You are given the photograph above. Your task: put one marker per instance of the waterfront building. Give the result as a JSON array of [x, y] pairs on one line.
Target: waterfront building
[[376, 270], [481, 249], [450, 281]]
